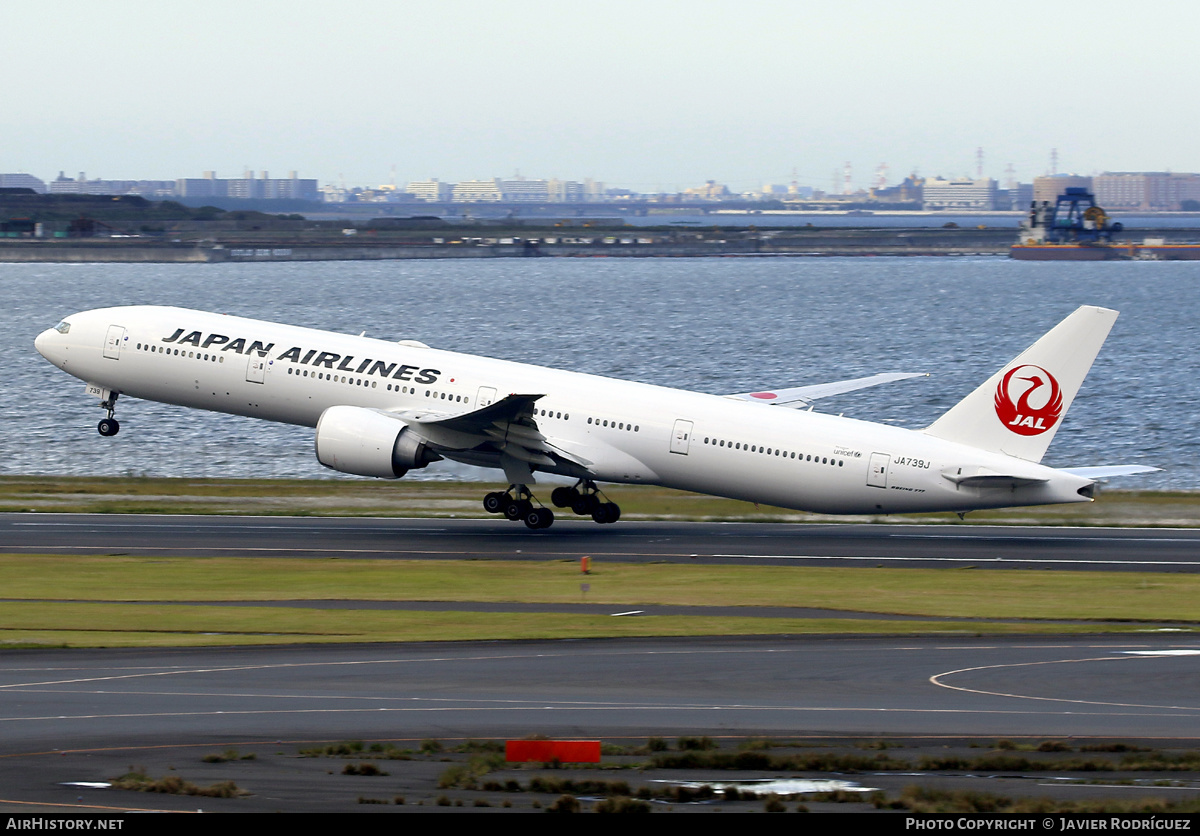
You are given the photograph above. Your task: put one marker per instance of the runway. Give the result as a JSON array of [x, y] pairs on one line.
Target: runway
[[1089, 549]]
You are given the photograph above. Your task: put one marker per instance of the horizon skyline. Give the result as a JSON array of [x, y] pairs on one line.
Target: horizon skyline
[[262, 174], [652, 96]]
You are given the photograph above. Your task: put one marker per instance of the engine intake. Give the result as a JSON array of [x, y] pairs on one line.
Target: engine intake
[[351, 439]]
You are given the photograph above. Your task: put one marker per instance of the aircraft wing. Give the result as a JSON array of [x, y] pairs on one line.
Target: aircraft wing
[[801, 396], [512, 409], [504, 427]]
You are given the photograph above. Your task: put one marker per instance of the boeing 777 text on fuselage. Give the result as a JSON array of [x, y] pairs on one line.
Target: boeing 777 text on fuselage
[[383, 408]]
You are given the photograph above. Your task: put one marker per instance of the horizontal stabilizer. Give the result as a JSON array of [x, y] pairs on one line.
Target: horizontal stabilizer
[[798, 397], [1105, 471], [996, 480], [984, 477]]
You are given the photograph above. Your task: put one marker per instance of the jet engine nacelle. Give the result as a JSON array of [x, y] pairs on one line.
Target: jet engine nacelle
[[351, 439]]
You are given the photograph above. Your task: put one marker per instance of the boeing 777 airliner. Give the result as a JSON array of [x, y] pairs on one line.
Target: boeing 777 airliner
[[382, 409]]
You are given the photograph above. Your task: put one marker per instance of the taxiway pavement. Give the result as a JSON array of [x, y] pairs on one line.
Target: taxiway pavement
[[1108, 549]]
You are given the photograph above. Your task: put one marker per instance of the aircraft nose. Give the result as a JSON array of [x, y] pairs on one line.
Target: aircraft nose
[[47, 345]]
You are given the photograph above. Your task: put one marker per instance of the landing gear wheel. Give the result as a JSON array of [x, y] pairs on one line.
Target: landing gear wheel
[[539, 518], [108, 427], [585, 504], [606, 512], [517, 504], [518, 509], [563, 497]]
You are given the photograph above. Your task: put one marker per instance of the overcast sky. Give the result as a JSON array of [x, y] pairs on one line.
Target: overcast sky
[[648, 94]]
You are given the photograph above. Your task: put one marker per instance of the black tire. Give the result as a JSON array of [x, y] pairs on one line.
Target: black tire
[[606, 512], [538, 518], [585, 504], [108, 427], [518, 509], [562, 497], [493, 503]]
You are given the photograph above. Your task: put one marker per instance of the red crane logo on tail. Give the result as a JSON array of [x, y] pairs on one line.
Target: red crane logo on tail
[[1021, 416]]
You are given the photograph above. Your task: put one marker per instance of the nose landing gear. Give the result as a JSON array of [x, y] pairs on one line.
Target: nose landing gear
[[109, 426]]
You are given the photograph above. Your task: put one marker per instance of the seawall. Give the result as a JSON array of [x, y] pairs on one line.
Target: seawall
[[726, 242]]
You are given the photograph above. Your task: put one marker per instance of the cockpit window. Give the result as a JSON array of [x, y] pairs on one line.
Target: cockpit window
[[63, 327]]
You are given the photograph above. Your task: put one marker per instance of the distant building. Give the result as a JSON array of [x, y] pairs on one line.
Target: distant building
[[292, 187], [615, 194], [1021, 196], [249, 188], [521, 190], [961, 193], [565, 191], [22, 181], [336, 194], [66, 185], [477, 191], [433, 190], [1147, 191], [594, 191], [207, 186], [1049, 188], [145, 188], [909, 190], [384, 194], [711, 190]]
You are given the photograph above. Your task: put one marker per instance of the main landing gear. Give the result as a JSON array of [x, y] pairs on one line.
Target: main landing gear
[[109, 426], [585, 500], [516, 503]]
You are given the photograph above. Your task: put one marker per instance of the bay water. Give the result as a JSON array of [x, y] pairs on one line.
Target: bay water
[[718, 325]]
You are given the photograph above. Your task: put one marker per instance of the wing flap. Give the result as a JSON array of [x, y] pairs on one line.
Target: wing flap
[[508, 410], [506, 427]]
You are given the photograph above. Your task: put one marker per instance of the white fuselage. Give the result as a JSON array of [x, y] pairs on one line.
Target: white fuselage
[[626, 432]]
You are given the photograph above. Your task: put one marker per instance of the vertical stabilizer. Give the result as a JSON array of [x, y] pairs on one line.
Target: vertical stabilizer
[[1020, 408]]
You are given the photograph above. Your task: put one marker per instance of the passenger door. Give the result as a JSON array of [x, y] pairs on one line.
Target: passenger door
[[256, 368], [681, 436], [112, 342], [877, 475]]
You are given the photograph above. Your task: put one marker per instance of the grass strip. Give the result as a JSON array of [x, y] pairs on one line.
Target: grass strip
[[943, 593], [49, 624]]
